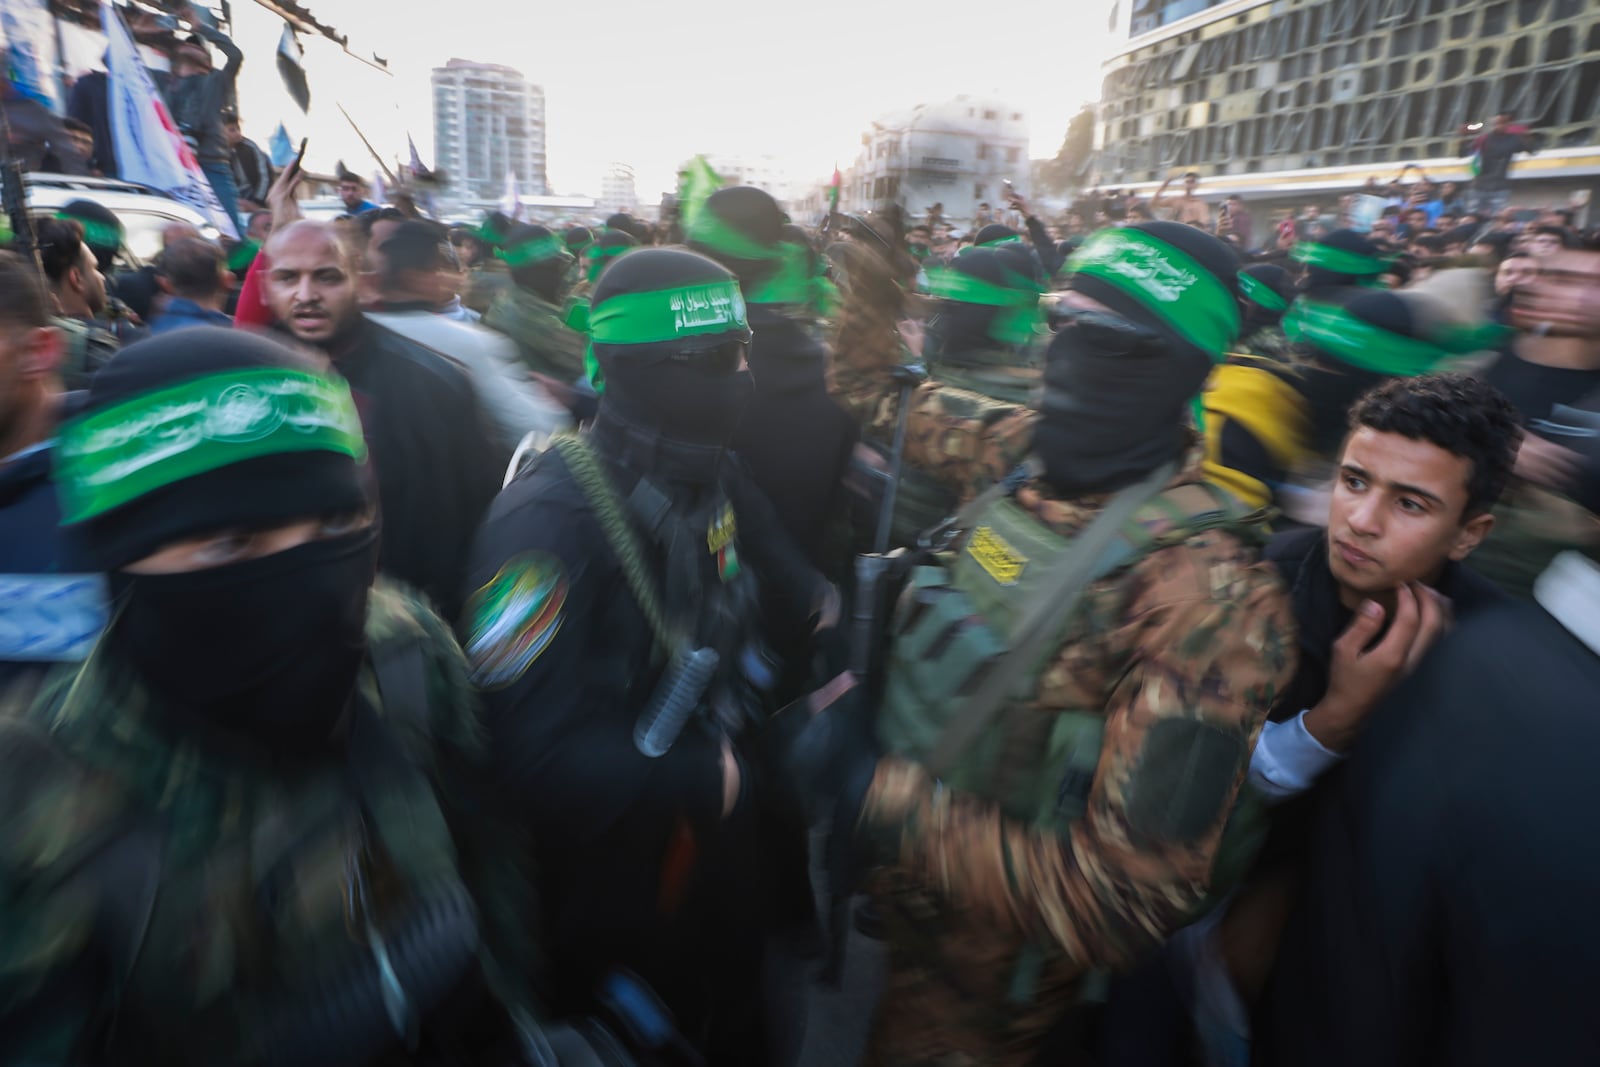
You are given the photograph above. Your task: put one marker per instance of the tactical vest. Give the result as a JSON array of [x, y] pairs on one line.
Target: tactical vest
[[318, 923], [952, 623]]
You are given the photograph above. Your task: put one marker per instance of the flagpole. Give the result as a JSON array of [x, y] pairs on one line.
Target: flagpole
[[384, 166]]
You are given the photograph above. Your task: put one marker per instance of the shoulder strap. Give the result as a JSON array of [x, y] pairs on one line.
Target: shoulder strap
[[1087, 558], [619, 534], [966, 517]]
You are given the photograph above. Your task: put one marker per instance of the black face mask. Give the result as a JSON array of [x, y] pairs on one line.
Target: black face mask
[[265, 651], [684, 402]]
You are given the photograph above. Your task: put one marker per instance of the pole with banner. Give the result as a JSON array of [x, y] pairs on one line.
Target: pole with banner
[[150, 150]]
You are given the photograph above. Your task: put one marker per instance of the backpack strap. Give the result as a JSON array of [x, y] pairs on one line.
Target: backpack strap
[[1091, 555]]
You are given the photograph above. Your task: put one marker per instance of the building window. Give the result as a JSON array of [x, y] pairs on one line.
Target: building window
[[983, 151], [989, 115], [1013, 154], [977, 191]]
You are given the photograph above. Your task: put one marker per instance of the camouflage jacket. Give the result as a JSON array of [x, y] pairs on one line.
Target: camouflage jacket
[[1185, 653], [545, 342], [484, 283], [963, 440], [164, 904]]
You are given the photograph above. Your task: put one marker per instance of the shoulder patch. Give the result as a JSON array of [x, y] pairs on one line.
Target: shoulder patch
[[514, 617]]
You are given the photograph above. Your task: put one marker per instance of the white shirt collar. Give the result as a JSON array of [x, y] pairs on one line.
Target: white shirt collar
[[1569, 589]]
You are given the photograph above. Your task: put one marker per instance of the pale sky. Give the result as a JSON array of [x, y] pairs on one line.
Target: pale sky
[[651, 84]]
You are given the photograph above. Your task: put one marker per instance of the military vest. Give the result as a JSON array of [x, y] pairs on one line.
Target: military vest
[[952, 624], [311, 919]]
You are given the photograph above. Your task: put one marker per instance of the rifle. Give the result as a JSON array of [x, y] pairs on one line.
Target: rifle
[[872, 567], [877, 574], [14, 189]]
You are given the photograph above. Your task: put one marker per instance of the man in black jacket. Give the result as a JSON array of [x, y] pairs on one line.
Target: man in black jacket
[[1449, 907], [438, 466], [598, 574], [796, 441]]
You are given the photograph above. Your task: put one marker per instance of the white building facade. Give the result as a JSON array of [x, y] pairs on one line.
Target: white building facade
[[488, 122], [958, 154], [618, 190]]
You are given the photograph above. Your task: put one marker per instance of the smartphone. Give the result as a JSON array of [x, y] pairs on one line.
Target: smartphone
[[300, 156]]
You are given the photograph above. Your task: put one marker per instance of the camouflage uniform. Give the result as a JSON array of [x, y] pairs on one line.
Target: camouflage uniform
[[547, 345], [1197, 632], [958, 440], [159, 904], [89, 346], [484, 284], [1269, 342]]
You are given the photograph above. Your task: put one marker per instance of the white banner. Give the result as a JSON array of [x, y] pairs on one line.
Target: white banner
[[150, 150], [27, 32]]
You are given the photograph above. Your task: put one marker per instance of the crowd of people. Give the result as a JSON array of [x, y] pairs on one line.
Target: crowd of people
[[463, 645]]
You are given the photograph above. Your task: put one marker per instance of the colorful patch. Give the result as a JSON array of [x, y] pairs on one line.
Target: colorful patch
[[728, 563], [724, 528], [514, 617], [1002, 562]]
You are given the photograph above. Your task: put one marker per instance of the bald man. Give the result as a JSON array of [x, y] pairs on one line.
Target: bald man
[[437, 462]]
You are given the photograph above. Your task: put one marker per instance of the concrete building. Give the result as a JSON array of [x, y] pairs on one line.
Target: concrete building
[[488, 121], [1300, 101], [617, 189], [958, 153]]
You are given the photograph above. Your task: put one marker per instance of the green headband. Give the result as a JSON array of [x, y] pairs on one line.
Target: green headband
[[792, 282], [710, 231], [1359, 343], [117, 455], [597, 259], [1338, 260], [1258, 291], [1018, 318], [664, 315], [1169, 282], [537, 250], [1014, 239], [96, 233]]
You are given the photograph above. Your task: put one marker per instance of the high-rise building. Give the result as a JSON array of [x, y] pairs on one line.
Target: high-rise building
[[617, 191], [959, 154], [487, 122], [1274, 96]]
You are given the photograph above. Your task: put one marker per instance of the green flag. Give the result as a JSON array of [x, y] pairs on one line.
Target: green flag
[[696, 182]]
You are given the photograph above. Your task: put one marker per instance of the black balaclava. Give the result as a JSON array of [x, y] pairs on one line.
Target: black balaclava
[[626, 223], [670, 331], [1266, 290], [1340, 259], [611, 244], [740, 227], [1118, 386], [996, 233], [538, 261], [1342, 369], [102, 231], [204, 430], [960, 326], [674, 378]]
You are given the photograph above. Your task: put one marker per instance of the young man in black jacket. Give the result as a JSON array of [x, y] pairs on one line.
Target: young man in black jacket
[[1424, 463]]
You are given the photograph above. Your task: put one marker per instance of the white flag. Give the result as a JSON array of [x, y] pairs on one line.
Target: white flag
[[150, 150], [511, 203]]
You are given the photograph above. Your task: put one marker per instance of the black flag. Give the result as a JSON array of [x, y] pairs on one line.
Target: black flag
[[291, 68]]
